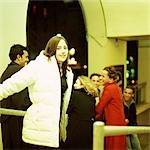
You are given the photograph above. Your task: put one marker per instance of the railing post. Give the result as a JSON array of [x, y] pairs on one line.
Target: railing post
[[1, 143], [98, 135]]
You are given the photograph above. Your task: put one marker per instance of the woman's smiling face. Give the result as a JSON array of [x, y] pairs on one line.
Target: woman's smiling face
[[104, 76], [61, 51]]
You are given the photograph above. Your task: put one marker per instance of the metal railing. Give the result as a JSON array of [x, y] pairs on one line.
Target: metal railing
[[13, 112], [99, 131]]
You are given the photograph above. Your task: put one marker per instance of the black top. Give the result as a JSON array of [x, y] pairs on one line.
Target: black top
[[82, 104], [64, 87], [130, 113], [81, 113]]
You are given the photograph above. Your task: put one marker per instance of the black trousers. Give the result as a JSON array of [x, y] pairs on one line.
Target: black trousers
[[38, 147], [12, 133]]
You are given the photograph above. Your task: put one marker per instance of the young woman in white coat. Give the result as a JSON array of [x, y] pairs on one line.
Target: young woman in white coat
[[49, 80]]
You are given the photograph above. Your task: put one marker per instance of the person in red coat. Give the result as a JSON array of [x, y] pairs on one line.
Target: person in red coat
[[110, 108]]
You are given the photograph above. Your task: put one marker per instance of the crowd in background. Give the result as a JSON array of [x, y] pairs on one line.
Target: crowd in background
[[60, 113]]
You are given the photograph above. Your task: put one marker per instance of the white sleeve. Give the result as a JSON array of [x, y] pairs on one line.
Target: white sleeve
[[19, 81]]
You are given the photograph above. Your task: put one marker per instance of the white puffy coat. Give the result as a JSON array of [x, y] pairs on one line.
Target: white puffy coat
[[42, 77]]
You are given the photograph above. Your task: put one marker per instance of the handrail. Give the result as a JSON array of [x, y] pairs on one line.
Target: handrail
[[125, 130], [13, 112], [100, 131]]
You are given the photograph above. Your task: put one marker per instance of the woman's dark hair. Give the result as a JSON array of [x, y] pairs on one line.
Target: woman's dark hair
[[51, 48], [111, 73], [119, 76], [15, 50]]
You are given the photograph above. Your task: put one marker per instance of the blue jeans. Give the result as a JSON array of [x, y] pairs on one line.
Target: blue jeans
[[133, 142]]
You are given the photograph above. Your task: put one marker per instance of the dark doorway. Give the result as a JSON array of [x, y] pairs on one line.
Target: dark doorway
[[132, 68], [47, 18], [132, 62]]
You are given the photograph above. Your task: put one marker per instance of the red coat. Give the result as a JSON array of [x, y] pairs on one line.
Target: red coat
[[111, 107]]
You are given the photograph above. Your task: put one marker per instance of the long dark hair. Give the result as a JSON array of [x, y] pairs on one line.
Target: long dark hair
[[51, 48]]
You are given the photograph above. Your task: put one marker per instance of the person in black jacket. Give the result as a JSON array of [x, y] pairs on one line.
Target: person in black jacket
[[81, 113], [131, 119], [12, 125]]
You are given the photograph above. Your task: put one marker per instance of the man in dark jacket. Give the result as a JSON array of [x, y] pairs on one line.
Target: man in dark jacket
[[12, 125], [131, 119]]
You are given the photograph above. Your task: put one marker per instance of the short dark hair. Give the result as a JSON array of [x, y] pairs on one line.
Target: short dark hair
[[131, 87], [94, 74], [15, 50]]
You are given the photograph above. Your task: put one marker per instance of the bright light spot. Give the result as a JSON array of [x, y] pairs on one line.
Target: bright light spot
[[127, 74], [127, 62], [133, 81]]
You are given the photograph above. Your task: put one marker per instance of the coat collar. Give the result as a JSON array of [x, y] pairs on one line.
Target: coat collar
[[128, 105], [107, 84]]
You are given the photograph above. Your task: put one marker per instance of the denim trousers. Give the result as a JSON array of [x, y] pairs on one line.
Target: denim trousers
[[133, 142]]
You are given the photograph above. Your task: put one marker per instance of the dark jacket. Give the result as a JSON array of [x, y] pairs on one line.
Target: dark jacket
[[12, 125], [81, 113], [19, 101], [130, 113]]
